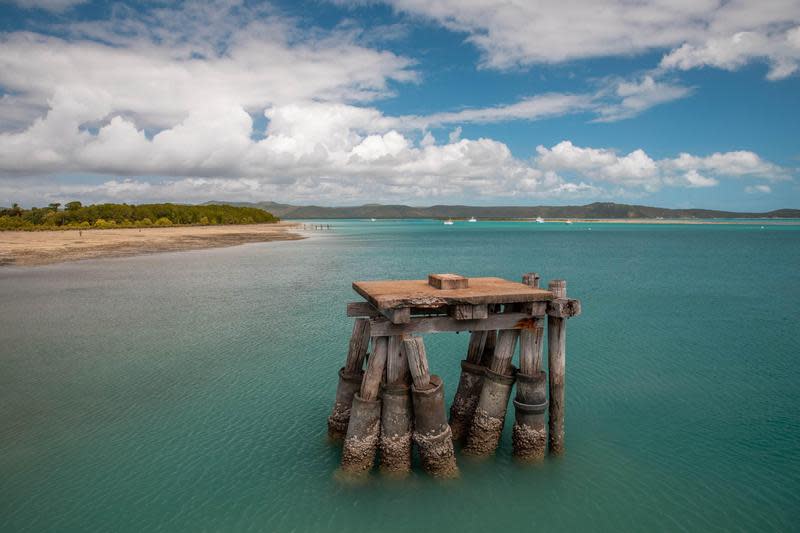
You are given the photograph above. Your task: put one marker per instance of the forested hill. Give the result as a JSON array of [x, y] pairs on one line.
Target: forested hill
[[595, 210], [76, 215]]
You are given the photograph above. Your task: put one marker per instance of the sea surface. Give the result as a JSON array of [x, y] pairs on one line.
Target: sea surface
[[189, 391]]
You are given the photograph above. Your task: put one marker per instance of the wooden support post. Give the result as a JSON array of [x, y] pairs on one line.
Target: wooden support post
[[350, 378], [396, 362], [477, 342], [363, 430], [490, 412], [531, 344], [396, 413], [504, 351], [371, 385], [431, 431], [417, 362], [556, 360], [532, 279], [462, 410], [488, 348], [359, 342]]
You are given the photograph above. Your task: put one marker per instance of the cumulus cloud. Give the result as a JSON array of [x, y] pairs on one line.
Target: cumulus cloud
[[326, 151], [737, 163], [512, 33], [167, 94], [758, 189], [160, 80], [637, 169]]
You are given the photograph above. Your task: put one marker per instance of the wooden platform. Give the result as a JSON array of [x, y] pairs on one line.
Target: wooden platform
[[397, 294]]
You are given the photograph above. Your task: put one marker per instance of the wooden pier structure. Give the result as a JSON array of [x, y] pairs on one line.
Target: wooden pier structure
[[396, 402]]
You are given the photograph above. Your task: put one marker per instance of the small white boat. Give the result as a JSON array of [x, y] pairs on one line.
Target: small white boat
[[448, 222], [372, 220], [472, 219], [539, 220], [568, 222]]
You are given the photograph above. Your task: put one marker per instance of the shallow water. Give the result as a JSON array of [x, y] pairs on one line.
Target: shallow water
[[189, 391]]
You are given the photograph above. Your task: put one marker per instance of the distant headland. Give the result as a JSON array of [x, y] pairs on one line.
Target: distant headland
[[595, 211]]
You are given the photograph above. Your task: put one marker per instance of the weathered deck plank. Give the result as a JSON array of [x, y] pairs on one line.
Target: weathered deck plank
[[395, 294]]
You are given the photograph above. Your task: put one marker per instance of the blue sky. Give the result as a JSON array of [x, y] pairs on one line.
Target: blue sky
[[670, 103]]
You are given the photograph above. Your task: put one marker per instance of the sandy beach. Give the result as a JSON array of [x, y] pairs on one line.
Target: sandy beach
[[24, 248]]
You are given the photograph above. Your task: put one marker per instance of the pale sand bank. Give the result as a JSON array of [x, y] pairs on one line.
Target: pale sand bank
[[689, 221], [43, 247]]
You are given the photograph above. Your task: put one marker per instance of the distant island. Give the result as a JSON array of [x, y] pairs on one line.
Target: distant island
[[75, 215], [597, 210]]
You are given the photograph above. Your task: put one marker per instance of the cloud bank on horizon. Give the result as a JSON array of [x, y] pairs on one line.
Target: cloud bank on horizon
[[220, 100]]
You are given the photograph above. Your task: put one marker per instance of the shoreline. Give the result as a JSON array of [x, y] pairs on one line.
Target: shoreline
[[33, 248], [644, 221], [686, 221]]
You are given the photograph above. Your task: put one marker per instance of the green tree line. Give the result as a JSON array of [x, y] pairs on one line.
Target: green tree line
[[77, 215]]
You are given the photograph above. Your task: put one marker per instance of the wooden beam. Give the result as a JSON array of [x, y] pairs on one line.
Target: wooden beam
[[398, 316], [366, 309], [564, 308], [357, 309], [437, 324], [468, 312]]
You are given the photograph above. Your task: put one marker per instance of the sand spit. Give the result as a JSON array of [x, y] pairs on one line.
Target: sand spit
[[687, 221], [25, 248]]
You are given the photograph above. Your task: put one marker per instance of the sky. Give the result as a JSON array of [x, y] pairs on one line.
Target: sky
[[674, 103]]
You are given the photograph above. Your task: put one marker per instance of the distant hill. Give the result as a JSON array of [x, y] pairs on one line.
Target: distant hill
[[595, 210]]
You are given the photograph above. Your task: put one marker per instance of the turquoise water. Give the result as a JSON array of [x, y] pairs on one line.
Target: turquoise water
[[189, 391]]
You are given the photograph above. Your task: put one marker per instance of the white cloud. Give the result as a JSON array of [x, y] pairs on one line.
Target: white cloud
[[637, 169], [636, 96], [160, 82], [512, 33], [691, 179], [780, 49], [328, 152], [758, 189], [634, 169], [737, 163], [616, 100], [55, 6], [531, 108], [168, 94]]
